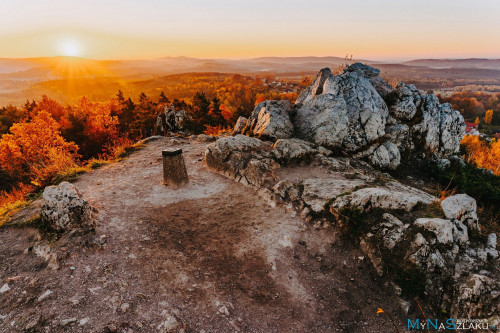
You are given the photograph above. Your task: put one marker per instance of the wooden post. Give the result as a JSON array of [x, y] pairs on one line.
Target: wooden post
[[174, 169]]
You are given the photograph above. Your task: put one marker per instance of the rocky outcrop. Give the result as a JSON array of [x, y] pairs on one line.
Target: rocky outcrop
[[439, 251], [357, 113], [478, 297], [169, 120], [270, 120], [240, 125], [318, 193], [406, 232], [64, 209], [441, 228], [347, 105], [433, 128], [386, 156]]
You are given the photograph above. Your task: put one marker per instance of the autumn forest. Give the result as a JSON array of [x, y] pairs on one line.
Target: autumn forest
[[45, 141]]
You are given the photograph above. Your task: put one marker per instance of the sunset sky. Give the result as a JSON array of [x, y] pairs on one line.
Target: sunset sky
[[131, 29]]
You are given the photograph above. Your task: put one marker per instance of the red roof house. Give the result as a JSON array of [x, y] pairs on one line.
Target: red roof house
[[471, 129]]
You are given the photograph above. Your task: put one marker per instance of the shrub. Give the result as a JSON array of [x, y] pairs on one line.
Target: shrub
[[478, 183]]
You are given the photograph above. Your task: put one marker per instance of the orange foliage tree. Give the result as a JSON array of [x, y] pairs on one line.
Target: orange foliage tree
[[481, 153], [55, 109], [94, 126], [35, 150], [488, 117]]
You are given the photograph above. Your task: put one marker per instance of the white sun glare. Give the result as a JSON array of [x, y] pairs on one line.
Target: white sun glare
[[70, 48]]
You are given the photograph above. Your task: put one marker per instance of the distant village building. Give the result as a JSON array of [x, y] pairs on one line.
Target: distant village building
[[471, 129]]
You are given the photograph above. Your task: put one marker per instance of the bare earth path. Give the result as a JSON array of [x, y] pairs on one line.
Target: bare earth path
[[211, 256]]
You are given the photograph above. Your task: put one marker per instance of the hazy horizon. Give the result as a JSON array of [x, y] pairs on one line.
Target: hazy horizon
[[381, 60], [129, 29]]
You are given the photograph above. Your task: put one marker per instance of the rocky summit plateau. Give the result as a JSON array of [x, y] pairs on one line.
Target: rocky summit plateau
[[300, 220]]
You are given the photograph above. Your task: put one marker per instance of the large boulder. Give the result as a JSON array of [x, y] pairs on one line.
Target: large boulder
[[64, 209], [462, 208], [271, 120], [287, 151], [246, 159], [366, 110], [323, 120], [386, 156]]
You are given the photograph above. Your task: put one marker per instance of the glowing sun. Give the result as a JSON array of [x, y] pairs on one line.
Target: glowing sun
[[70, 48]]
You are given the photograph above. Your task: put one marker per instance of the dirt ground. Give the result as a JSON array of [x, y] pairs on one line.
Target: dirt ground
[[211, 256]]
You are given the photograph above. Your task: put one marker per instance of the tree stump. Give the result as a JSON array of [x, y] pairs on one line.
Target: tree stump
[[174, 169]]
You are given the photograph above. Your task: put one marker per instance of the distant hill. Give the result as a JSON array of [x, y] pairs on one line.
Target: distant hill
[[456, 63], [29, 78], [167, 65]]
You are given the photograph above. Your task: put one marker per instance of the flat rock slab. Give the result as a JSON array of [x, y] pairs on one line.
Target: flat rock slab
[[318, 192], [390, 196]]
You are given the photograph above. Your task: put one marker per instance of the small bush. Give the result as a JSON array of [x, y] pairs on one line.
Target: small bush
[[356, 223], [14, 201], [69, 175], [477, 183]]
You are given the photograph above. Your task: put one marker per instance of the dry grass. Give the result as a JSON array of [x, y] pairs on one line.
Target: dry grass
[[217, 130], [9, 209]]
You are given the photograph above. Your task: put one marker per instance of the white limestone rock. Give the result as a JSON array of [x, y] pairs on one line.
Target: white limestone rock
[[318, 192], [392, 196], [65, 209], [462, 208], [442, 229], [287, 151], [386, 156], [270, 120]]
